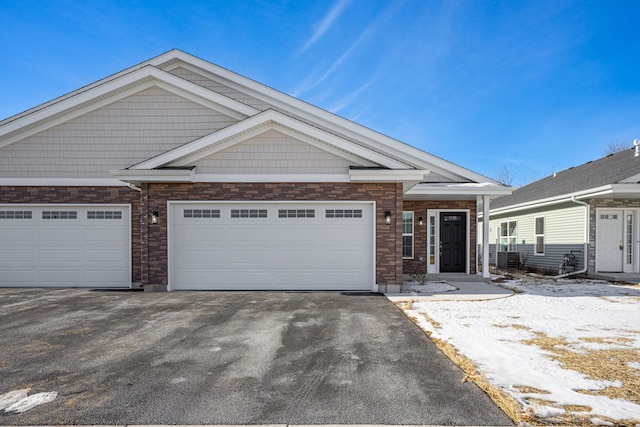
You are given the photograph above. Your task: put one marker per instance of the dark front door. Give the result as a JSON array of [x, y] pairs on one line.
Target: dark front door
[[453, 242]]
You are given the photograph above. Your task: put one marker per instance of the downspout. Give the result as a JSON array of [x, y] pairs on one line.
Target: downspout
[[134, 187], [586, 240]]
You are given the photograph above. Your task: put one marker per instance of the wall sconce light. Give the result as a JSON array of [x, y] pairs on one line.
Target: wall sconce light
[[420, 221], [387, 217], [154, 217]]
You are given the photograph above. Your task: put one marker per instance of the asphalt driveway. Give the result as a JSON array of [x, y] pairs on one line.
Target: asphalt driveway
[[122, 357]]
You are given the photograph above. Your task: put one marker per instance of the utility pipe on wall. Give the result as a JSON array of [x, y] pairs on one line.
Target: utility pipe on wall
[[586, 240]]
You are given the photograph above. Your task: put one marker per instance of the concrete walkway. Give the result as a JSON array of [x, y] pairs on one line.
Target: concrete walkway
[[466, 291]]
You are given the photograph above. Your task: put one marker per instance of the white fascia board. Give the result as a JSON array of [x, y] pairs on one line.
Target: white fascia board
[[556, 200], [470, 189], [120, 88], [405, 153], [272, 178], [61, 182], [368, 175], [155, 175], [252, 126]]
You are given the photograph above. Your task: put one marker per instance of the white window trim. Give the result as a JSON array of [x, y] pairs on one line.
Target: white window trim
[[536, 235], [508, 237], [412, 234]]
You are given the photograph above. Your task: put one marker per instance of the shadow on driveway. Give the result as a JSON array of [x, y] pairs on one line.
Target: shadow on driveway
[[227, 358]]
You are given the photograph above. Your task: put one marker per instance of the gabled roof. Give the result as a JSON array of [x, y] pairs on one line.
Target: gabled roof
[[378, 148], [588, 179], [269, 119]]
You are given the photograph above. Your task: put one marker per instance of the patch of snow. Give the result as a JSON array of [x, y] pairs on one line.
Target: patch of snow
[[634, 365], [8, 399], [429, 287], [32, 401], [492, 334]]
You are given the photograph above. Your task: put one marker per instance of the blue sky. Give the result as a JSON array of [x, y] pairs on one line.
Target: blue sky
[[536, 86]]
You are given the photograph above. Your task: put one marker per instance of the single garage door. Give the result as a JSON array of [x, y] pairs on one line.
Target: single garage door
[[65, 246], [265, 246]]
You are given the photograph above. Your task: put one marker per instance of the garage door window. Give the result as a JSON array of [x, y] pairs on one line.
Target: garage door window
[[104, 215], [15, 214], [248, 213], [296, 213], [344, 213], [202, 213], [59, 214]]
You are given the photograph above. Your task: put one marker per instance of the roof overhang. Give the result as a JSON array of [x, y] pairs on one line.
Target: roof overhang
[[154, 175], [610, 191], [456, 191]]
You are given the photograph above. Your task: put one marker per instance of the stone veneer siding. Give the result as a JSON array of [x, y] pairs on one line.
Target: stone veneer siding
[[603, 203], [420, 209], [86, 195], [388, 197]]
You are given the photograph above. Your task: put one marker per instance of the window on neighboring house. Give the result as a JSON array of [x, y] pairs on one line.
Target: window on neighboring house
[[407, 234], [508, 236], [539, 232]]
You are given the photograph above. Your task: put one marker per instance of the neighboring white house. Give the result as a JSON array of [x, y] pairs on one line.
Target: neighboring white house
[[583, 218]]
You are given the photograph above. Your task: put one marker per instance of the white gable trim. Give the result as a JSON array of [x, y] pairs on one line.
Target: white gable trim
[[118, 89], [155, 175], [231, 135], [61, 182], [272, 178], [393, 148]]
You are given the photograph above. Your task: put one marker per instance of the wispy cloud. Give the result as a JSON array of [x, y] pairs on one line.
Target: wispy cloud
[[364, 36], [326, 23], [347, 100]]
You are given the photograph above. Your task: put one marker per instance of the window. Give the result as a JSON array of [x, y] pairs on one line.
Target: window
[[296, 213], [59, 215], [432, 240], [104, 215], [407, 234], [248, 213], [539, 233], [343, 213], [508, 236], [201, 213], [15, 214], [629, 239]]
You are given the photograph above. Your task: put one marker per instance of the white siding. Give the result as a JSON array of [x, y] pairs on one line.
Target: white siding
[[273, 153], [218, 87], [114, 137]]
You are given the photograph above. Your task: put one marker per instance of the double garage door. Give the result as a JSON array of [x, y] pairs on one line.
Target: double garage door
[[279, 246], [65, 246]]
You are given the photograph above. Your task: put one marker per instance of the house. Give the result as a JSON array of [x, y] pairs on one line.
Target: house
[[179, 174], [583, 219]]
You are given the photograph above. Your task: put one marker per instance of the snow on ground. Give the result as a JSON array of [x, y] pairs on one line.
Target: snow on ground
[[586, 316], [18, 401]]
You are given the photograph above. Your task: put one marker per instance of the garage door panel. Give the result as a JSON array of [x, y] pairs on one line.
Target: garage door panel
[[66, 277], [56, 255], [106, 256], [105, 235], [103, 277], [59, 235], [9, 233], [17, 256], [48, 250], [276, 252], [19, 277], [248, 256], [193, 234]]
